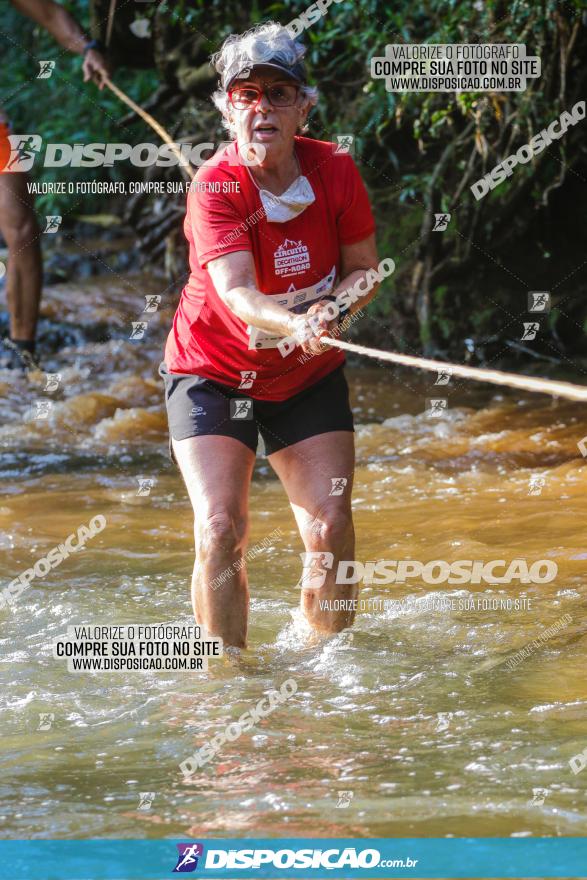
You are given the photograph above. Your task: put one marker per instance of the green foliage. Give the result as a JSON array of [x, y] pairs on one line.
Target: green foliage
[[64, 109], [400, 139]]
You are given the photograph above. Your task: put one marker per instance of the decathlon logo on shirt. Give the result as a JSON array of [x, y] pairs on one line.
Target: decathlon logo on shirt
[[291, 258]]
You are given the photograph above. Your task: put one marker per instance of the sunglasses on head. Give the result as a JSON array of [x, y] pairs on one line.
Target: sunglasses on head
[[278, 95]]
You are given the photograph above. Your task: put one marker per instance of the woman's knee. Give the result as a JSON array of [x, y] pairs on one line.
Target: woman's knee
[[223, 530], [332, 528]]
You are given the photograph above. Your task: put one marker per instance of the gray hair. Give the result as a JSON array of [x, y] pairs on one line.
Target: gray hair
[[239, 51]]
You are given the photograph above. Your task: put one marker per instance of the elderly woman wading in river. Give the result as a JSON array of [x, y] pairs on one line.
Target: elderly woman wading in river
[[266, 256]]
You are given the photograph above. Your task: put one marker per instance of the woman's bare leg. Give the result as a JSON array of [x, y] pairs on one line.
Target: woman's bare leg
[[217, 472], [307, 470]]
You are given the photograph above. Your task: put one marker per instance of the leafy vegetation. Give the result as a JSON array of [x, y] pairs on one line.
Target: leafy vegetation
[[418, 152]]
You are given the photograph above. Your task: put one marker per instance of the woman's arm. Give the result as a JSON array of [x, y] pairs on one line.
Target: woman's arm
[[356, 261], [233, 276]]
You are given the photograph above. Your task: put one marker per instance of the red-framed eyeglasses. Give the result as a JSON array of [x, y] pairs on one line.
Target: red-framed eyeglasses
[[278, 95]]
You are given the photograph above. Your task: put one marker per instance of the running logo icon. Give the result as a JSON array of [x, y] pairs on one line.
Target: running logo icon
[[138, 329], [153, 301], [436, 406], [187, 860], [443, 377], [539, 796], [338, 485], [53, 222], [46, 68], [42, 409], [441, 222], [241, 408], [538, 301], [316, 565], [46, 720], [52, 381], [344, 144], [247, 378], [23, 151], [145, 486], [531, 328]]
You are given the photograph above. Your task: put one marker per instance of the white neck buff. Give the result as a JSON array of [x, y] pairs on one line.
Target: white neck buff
[[291, 203]]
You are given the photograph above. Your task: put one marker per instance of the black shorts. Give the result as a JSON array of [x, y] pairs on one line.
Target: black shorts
[[197, 407]]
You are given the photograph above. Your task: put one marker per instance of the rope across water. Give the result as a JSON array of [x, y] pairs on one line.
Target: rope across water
[[478, 374]]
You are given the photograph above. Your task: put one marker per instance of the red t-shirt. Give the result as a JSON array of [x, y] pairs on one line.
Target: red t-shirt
[[298, 259]]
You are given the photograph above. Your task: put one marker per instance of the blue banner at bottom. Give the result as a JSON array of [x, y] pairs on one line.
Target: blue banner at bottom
[[294, 857]]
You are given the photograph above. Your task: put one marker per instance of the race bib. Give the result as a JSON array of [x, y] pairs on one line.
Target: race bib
[[298, 301]]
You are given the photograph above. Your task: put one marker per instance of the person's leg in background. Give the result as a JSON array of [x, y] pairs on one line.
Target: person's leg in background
[[19, 228]]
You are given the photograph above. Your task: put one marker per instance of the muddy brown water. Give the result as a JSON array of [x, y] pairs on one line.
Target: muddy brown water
[[414, 711]]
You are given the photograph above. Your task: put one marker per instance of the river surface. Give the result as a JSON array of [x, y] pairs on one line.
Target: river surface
[[414, 714]]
